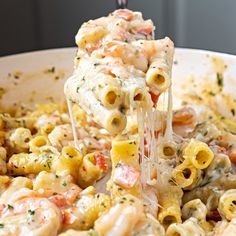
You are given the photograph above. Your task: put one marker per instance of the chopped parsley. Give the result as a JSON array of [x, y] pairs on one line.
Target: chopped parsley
[[233, 112], [205, 133], [211, 93], [10, 207], [51, 70], [118, 165], [48, 160], [178, 151], [1, 226], [31, 212], [132, 142], [219, 78], [64, 184]]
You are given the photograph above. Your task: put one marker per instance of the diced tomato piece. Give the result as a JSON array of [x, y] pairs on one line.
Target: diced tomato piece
[[92, 123], [59, 200], [101, 161], [125, 175], [124, 14], [154, 98], [69, 218], [2, 207], [144, 31], [107, 146], [156, 133]]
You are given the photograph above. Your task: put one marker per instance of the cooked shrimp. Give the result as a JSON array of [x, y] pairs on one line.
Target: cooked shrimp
[[32, 217], [121, 219], [129, 54], [184, 121]]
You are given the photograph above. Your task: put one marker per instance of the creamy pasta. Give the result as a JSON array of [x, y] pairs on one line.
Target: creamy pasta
[[110, 161]]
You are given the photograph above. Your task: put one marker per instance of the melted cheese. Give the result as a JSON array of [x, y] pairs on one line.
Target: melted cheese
[[69, 104], [169, 129]]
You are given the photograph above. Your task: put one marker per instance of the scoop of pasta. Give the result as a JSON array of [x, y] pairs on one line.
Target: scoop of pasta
[[118, 66]]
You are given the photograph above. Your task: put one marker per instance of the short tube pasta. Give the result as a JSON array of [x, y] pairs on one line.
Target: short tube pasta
[[197, 209], [110, 96], [93, 35], [198, 153], [186, 175], [170, 201], [88, 171], [38, 142], [112, 120], [20, 138], [227, 204], [125, 176], [220, 165], [69, 161], [189, 227], [107, 89], [160, 53], [167, 149], [134, 92], [194, 208], [24, 163]]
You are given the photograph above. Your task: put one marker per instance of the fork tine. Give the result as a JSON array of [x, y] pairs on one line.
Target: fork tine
[[121, 4]]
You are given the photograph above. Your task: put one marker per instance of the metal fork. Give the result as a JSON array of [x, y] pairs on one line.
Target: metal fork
[[121, 4]]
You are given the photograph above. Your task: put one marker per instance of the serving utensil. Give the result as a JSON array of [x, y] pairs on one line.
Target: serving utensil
[[121, 4]]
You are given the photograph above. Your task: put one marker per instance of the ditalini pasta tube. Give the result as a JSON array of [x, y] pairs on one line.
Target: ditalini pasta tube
[[198, 153], [197, 209], [88, 171], [107, 90], [135, 91], [160, 53], [112, 120], [89, 33], [227, 204], [170, 201], [189, 227], [125, 176], [167, 149], [186, 175]]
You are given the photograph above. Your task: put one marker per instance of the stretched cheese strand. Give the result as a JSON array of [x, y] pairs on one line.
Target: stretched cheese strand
[[74, 131], [140, 121], [169, 129]]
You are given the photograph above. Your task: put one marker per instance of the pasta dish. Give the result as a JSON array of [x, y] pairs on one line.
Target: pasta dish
[[116, 159]]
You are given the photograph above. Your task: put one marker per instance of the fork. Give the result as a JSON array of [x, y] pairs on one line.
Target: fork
[[121, 4]]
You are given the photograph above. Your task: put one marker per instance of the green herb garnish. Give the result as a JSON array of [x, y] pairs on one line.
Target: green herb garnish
[[31, 212]]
